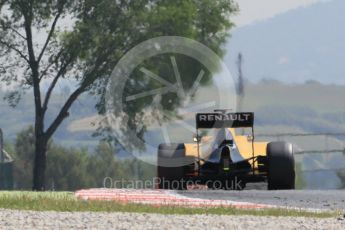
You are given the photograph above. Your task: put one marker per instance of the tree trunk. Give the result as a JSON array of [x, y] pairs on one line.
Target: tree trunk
[[40, 164]]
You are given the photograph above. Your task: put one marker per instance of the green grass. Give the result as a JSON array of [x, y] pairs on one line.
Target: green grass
[[65, 201]]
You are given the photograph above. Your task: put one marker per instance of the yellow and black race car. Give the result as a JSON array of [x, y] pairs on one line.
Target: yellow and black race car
[[222, 159]]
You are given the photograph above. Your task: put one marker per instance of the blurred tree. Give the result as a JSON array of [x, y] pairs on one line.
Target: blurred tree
[[23, 154], [83, 42], [66, 168], [69, 169], [103, 164]]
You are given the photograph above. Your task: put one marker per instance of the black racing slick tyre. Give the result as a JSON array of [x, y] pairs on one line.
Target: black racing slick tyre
[[281, 166], [171, 166]]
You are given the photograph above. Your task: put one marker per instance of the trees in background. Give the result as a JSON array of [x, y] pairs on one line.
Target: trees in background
[[69, 169], [44, 42], [23, 153]]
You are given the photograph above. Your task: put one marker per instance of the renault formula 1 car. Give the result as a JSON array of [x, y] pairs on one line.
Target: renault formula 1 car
[[220, 158]]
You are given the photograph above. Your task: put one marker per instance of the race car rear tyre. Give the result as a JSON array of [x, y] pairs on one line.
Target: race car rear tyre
[[281, 166], [171, 166]]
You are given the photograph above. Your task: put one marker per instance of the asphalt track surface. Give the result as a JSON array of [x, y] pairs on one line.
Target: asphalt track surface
[[305, 199]]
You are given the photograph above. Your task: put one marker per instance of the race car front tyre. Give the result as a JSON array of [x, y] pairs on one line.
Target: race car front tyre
[[171, 163], [281, 166]]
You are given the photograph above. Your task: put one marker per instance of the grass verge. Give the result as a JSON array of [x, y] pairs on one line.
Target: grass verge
[[66, 202]]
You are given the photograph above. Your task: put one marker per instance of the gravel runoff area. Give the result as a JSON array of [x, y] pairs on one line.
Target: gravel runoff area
[[13, 219]]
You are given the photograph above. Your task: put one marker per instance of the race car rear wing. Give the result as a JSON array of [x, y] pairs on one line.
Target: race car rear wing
[[224, 120]]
